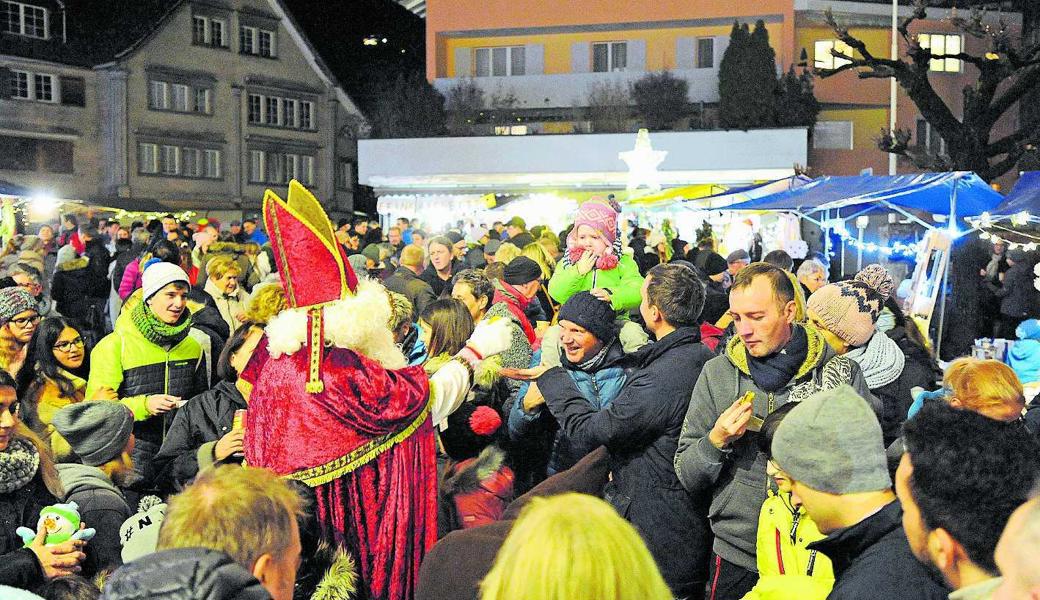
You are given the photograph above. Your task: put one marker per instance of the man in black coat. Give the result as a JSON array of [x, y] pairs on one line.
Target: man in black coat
[[830, 448], [641, 428], [1017, 294]]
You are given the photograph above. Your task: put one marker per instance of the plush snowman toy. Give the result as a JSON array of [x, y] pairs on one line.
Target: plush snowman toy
[[62, 523]]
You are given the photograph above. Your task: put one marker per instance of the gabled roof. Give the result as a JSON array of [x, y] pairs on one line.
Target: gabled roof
[[97, 31]]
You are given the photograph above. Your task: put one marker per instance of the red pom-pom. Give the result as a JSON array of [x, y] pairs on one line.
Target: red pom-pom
[[485, 421]]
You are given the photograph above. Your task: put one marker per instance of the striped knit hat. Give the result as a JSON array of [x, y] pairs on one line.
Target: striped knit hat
[[849, 309]]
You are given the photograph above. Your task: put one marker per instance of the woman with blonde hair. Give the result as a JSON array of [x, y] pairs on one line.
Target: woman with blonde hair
[[573, 546], [222, 284], [988, 387]]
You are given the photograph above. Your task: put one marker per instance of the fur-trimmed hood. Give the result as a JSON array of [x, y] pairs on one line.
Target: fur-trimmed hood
[[74, 264], [331, 574]]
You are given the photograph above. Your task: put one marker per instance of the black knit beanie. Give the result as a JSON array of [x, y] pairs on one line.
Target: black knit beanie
[[596, 316], [522, 270]]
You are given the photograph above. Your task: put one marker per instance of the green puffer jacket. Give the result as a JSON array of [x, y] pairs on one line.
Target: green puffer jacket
[[135, 368], [623, 281]]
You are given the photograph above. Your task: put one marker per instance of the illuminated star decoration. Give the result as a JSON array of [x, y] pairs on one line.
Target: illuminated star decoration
[[642, 163]]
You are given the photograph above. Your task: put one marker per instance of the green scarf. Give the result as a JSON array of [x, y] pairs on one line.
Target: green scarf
[[155, 330]]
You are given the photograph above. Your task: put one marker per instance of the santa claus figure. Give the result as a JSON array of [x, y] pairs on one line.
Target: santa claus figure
[[333, 405]]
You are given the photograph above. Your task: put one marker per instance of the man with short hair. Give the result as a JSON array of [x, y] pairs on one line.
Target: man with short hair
[[641, 428], [737, 260], [780, 259], [961, 477], [253, 233], [518, 235], [405, 280], [458, 245], [831, 448], [233, 531], [361, 227], [235, 227], [100, 434], [812, 274], [777, 360], [30, 279], [1017, 553], [419, 239], [517, 288]]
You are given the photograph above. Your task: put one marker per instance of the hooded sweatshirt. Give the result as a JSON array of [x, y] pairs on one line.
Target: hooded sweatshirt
[[1024, 355], [101, 507]]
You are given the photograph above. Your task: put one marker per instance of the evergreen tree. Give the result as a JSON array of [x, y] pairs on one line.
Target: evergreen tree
[[732, 91], [796, 105], [408, 106], [761, 77]]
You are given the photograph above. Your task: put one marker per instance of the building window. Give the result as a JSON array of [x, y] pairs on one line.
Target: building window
[[28, 154], [147, 158], [705, 53], [179, 97], [256, 166], [500, 62], [212, 164], [266, 166], [170, 163], [256, 41], [609, 56], [208, 31], [191, 162], [276, 111], [929, 138], [833, 135], [203, 102], [24, 19], [42, 87], [21, 86], [158, 95], [511, 130], [345, 175], [73, 91], [272, 111], [940, 44], [306, 170], [824, 59]]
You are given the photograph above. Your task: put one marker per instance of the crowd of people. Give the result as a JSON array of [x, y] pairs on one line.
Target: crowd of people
[[496, 412]]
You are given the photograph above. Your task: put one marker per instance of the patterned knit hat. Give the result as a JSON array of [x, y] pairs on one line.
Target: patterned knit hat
[[14, 300], [601, 215], [849, 309]]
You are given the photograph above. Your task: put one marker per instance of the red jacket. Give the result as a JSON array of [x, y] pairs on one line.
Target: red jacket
[[479, 489]]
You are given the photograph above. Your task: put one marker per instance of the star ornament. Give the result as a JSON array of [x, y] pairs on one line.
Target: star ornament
[[642, 163]]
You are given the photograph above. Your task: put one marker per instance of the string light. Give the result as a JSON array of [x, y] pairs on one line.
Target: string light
[[894, 249]]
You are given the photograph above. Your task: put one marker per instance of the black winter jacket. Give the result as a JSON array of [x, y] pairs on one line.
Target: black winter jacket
[[872, 560], [1017, 295], [205, 418], [74, 289], [641, 429], [184, 574], [21, 508]]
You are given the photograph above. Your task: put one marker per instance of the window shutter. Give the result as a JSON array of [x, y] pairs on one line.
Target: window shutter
[[636, 55], [463, 66], [73, 91], [581, 59], [684, 53], [5, 83], [535, 59]]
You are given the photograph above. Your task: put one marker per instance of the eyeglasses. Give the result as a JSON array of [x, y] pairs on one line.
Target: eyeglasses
[[68, 345], [24, 321], [14, 408]]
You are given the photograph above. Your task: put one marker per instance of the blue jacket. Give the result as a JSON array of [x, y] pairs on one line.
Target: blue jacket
[[1024, 359], [599, 388]]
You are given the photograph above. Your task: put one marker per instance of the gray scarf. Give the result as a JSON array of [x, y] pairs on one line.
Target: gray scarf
[[18, 465], [881, 360]]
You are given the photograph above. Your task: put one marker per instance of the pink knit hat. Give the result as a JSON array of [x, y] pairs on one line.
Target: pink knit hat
[[602, 215], [849, 309]]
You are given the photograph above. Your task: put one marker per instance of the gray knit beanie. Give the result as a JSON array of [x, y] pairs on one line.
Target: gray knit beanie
[[97, 430], [14, 300], [832, 442]]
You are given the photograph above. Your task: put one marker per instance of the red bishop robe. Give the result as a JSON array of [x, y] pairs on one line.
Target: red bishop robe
[[367, 446]]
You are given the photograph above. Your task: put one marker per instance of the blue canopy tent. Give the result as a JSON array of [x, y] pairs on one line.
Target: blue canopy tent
[[1025, 196], [958, 194]]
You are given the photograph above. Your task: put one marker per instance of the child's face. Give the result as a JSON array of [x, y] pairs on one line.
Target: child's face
[[591, 239], [783, 482]]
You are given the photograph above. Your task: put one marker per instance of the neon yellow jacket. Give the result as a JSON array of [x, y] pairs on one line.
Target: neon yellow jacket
[[786, 569]]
